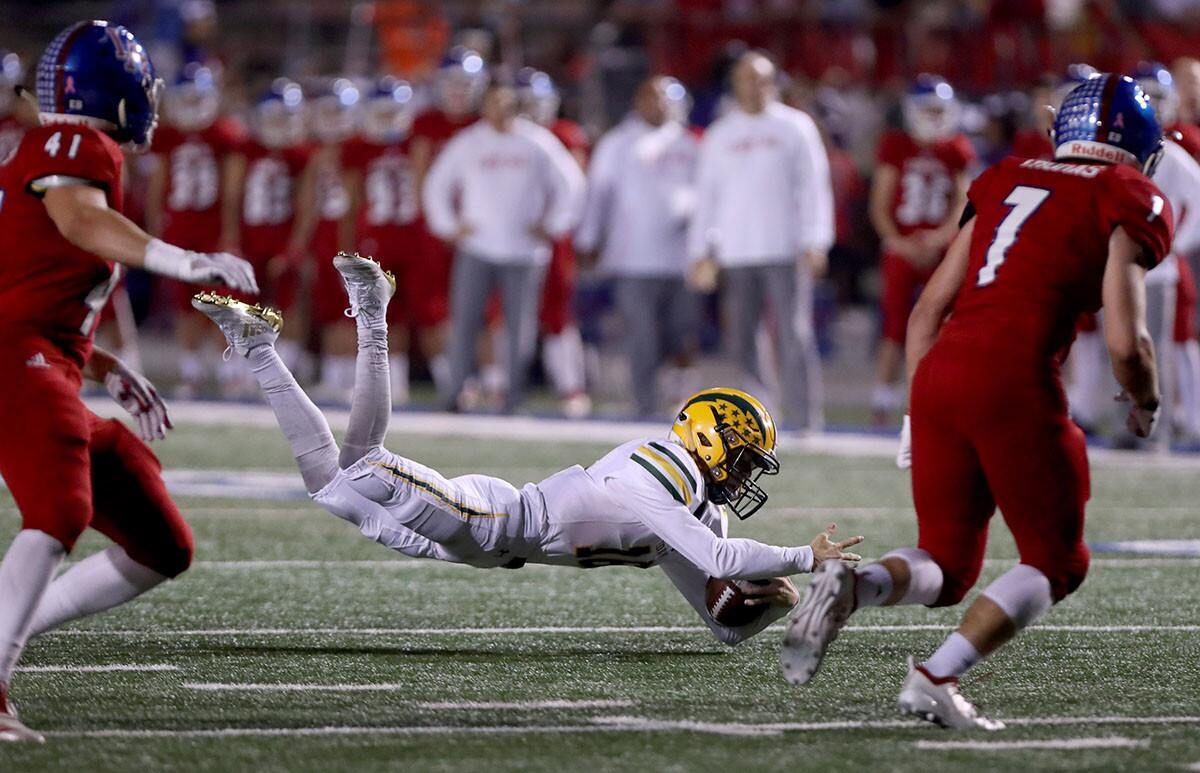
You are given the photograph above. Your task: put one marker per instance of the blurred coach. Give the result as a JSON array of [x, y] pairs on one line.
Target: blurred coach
[[764, 224], [501, 191], [640, 196]]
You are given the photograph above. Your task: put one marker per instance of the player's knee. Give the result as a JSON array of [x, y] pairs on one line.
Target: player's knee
[[172, 556], [66, 525], [954, 588], [1068, 572]]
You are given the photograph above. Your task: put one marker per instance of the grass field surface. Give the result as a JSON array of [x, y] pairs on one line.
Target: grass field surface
[[295, 644]]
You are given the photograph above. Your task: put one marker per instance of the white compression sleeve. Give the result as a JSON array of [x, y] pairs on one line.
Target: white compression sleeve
[[99, 582], [25, 573], [1023, 592]]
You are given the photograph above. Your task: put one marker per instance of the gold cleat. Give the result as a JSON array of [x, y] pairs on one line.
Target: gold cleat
[[244, 325], [268, 314], [388, 275]]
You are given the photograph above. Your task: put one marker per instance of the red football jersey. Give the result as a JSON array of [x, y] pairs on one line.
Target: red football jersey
[[389, 193], [1032, 143], [1040, 246], [1189, 137], [192, 209], [48, 285], [928, 174], [268, 197], [436, 126], [11, 132]]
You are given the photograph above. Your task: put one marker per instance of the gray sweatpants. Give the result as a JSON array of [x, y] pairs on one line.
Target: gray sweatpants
[[472, 282], [660, 317], [745, 293]]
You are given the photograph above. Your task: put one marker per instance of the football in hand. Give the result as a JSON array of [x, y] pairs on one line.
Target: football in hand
[[726, 602]]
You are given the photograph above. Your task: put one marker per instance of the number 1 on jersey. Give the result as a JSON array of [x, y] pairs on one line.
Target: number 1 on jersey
[[1024, 201]]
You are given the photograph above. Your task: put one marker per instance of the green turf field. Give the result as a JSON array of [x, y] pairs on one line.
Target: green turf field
[[429, 668]]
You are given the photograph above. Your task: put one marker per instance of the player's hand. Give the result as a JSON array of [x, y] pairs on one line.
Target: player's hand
[[223, 268], [825, 549], [1142, 418], [702, 276], [904, 453], [137, 395], [464, 230], [778, 592]]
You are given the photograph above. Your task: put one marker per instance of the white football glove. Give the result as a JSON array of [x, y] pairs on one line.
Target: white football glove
[[904, 453], [137, 395], [200, 268]]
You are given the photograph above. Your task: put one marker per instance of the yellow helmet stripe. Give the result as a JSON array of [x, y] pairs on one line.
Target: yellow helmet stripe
[[665, 450], [653, 469]]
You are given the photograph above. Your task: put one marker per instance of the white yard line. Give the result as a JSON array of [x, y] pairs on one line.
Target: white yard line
[[1114, 742], [97, 669], [597, 725], [569, 630], [525, 705]]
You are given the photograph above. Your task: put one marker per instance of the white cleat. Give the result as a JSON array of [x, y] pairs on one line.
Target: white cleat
[[940, 702], [13, 731], [816, 623], [245, 326], [368, 286]]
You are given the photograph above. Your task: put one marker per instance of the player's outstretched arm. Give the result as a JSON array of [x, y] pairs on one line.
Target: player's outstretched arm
[[1125, 332], [132, 391], [81, 213]]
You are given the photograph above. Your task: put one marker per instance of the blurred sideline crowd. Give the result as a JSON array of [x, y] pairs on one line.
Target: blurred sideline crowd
[[697, 177]]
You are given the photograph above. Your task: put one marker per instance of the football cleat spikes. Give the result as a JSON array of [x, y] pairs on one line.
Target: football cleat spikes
[[368, 286], [816, 623], [244, 325]]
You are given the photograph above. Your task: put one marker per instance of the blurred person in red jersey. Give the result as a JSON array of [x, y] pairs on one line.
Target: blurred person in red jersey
[[194, 199], [377, 173], [916, 197], [458, 86]]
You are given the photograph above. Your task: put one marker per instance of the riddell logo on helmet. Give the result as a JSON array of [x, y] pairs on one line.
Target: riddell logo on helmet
[[1098, 151]]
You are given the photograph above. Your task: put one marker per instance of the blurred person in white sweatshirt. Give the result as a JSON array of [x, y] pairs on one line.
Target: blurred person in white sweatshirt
[[762, 229], [640, 198], [501, 192]]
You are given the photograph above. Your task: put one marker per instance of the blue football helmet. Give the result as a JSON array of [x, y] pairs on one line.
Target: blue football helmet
[[1108, 118], [460, 80], [930, 109], [1155, 79], [193, 101], [538, 96], [278, 118], [388, 110], [98, 70]]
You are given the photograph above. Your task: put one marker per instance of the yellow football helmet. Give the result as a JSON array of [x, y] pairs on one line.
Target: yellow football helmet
[[732, 437]]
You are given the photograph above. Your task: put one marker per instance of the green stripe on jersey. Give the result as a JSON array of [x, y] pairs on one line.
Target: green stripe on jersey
[[665, 450], [653, 470]]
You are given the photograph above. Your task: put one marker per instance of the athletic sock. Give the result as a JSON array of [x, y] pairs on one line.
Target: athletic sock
[[953, 658], [872, 585], [371, 404], [99, 582], [562, 358], [302, 423], [25, 574], [494, 379]]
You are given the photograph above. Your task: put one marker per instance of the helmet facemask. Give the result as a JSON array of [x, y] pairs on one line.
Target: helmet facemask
[[734, 478]]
